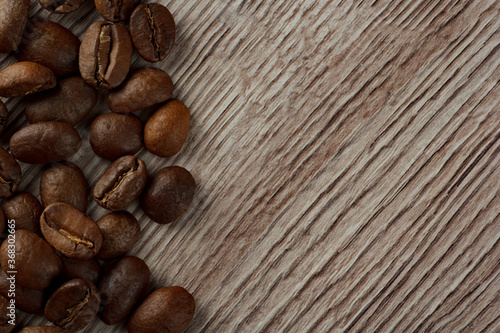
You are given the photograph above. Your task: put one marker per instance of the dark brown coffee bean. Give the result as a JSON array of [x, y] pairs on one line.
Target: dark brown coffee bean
[[143, 88], [168, 194], [121, 183], [42, 329], [10, 174], [115, 10], [61, 6], [168, 309], [24, 78], [120, 232], [27, 300], [45, 142], [50, 44], [121, 288], [89, 269], [105, 55], [74, 305], [70, 231], [12, 22], [25, 209], [64, 182], [166, 130], [153, 31], [113, 135], [4, 116], [7, 313], [36, 262]]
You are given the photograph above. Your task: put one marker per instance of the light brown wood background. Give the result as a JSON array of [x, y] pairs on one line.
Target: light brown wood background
[[347, 157]]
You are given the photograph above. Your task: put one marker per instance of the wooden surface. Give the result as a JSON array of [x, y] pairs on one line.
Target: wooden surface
[[347, 156]]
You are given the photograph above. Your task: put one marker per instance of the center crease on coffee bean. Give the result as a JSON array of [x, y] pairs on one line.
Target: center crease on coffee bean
[[76, 239], [153, 32], [6, 182], [60, 3], [118, 182], [75, 310], [118, 7], [103, 49]]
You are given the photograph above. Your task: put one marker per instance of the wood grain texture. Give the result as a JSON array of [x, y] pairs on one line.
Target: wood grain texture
[[347, 156]]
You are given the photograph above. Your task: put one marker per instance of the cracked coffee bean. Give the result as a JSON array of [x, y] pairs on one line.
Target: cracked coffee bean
[[61, 6], [120, 231], [12, 22], [4, 116], [10, 174], [115, 10], [25, 209], [24, 78]]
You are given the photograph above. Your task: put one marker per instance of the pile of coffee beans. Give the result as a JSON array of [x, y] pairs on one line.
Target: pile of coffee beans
[[67, 266]]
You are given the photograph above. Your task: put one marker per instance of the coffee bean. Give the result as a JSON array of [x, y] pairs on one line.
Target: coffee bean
[[143, 88], [168, 309], [42, 329], [45, 142], [105, 55], [70, 231], [166, 130], [50, 44], [113, 135], [153, 31], [115, 10], [61, 6], [168, 194], [4, 116], [36, 263], [10, 174], [25, 209], [64, 182], [74, 305], [27, 300], [5, 327], [24, 78], [120, 232], [121, 288], [121, 183], [88, 269], [12, 22]]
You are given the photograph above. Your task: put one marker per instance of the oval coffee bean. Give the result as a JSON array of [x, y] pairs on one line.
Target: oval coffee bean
[[168, 194], [12, 22], [74, 305], [64, 182], [121, 288], [144, 87], [115, 10], [24, 78], [10, 174], [4, 116], [5, 311], [120, 232], [70, 231], [121, 183], [45, 142], [42, 329], [27, 300], [166, 130], [153, 31], [25, 209], [105, 54], [50, 44], [113, 135], [88, 269], [37, 263], [61, 6], [168, 309]]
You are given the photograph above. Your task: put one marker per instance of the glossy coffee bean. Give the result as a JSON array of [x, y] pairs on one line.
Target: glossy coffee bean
[[74, 305], [88, 269], [166, 130], [120, 231], [36, 263], [168, 309], [115, 10], [105, 55], [24, 78], [61, 6], [168, 194], [12, 22], [70, 231], [50, 44], [4, 116], [153, 31], [25, 209], [113, 135], [121, 288], [143, 88], [27, 300], [42, 329], [64, 182], [121, 183], [10, 174], [7, 313], [45, 142]]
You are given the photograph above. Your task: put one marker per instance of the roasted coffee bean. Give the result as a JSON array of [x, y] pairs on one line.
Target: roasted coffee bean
[[27, 300], [24, 78], [168, 194], [7, 313], [74, 305], [45, 142], [120, 232], [89, 269], [168, 309], [50, 44], [121, 288], [42, 329], [115, 10], [10, 174], [153, 31], [64, 182], [113, 135], [166, 130], [36, 262], [12, 22], [121, 183], [61, 6], [143, 88], [4, 116], [25, 209], [105, 55]]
